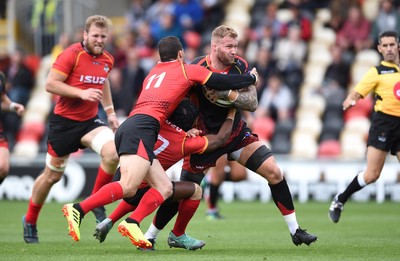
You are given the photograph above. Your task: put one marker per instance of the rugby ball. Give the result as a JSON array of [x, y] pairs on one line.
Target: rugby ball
[[221, 102]]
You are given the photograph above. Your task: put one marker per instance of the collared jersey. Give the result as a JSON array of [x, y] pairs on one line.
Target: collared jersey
[[165, 86], [384, 81], [83, 71], [211, 114]]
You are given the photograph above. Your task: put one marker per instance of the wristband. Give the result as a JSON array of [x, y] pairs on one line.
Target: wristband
[[229, 118], [111, 114], [12, 107], [109, 110]]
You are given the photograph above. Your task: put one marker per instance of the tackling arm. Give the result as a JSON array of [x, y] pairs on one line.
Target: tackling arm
[[219, 139]]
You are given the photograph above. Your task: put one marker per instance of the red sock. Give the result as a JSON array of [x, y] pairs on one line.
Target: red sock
[[32, 214], [151, 200], [122, 209], [187, 208], [101, 179], [106, 195]]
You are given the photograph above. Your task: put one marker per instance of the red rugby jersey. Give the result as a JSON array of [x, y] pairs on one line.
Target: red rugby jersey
[[165, 86], [83, 71], [173, 144]]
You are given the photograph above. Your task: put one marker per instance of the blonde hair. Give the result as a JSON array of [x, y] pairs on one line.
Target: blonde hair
[[222, 31], [99, 20]]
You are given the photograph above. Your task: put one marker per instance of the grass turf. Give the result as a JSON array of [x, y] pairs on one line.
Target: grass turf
[[250, 231]]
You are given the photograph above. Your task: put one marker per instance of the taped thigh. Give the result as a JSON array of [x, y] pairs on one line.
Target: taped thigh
[[257, 158], [56, 164], [101, 138]]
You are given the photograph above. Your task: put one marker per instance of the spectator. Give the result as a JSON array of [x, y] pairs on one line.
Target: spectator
[[166, 26], [189, 15], [339, 69], [290, 53], [155, 10], [276, 101], [136, 14], [132, 76], [20, 81], [388, 18], [353, 36], [265, 65], [300, 20]]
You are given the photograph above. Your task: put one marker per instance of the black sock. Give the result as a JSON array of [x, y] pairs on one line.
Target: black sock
[[228, 176], [130, 220], [165, 213], [353, 187], [214, 194], [282, 197]]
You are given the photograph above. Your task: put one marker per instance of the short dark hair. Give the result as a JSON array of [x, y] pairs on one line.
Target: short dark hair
[[168, 48], [184, 115], [388, 34]]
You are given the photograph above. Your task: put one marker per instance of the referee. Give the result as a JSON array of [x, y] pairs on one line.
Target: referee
[[384, 133]]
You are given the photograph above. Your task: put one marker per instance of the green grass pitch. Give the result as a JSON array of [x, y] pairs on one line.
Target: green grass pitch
[[250, 231]]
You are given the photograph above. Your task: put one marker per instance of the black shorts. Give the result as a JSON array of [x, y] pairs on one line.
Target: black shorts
[[240, 138], [137, 135], [384, 133], [65, 134]]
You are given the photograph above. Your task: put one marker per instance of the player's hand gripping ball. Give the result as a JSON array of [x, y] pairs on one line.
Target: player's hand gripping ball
[[212, 96]]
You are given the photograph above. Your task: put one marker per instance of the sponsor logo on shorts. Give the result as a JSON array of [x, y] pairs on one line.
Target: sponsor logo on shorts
[[382, 137]]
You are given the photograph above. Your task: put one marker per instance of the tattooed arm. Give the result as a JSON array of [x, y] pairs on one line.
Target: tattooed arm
[[245, 99]]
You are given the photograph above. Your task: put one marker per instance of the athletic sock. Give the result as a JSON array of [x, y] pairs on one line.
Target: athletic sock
[[291, 222], [282, 197], [187, 208], [283, 200], [102, 179], [213, 197], [357, 184], [151, 200], [152, 232], [32, 214], [105, 195], [165, 213], [121, 210]]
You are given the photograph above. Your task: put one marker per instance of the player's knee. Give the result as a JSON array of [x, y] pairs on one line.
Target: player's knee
[[166, 190], [103, 144], [197, 193], [109, 154], [52, 177]]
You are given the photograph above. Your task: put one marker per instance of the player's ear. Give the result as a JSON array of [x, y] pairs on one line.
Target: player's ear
[[181, 55]]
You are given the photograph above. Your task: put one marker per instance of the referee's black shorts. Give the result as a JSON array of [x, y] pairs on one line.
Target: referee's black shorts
[[384, 133]]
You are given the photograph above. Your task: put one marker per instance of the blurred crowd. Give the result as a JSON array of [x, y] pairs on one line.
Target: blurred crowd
[[277, 47]]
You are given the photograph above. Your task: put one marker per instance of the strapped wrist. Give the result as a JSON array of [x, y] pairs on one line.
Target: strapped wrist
[[12, 107]]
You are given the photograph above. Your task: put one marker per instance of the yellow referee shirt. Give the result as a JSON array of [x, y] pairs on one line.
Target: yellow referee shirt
[[384, 81]]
